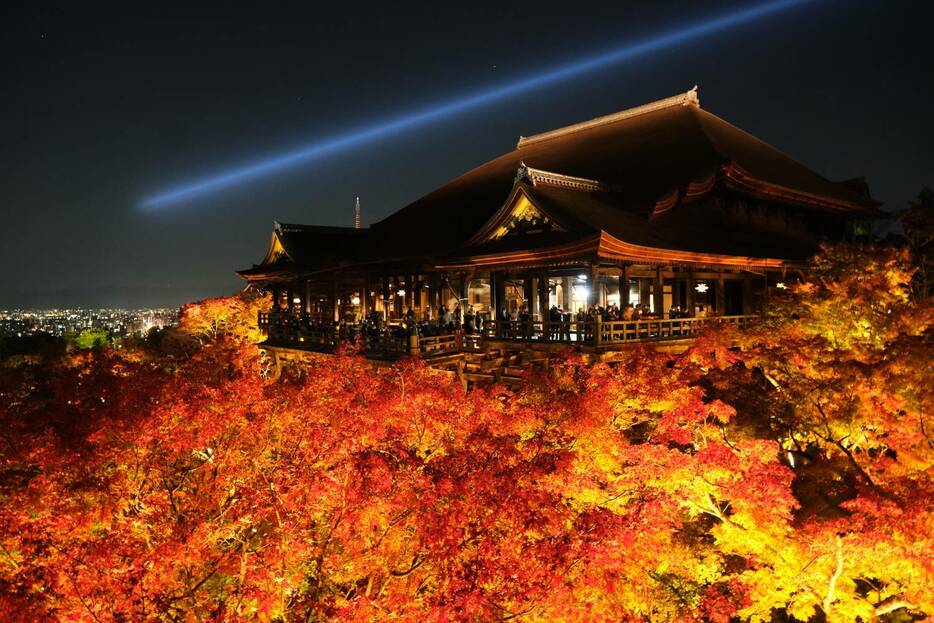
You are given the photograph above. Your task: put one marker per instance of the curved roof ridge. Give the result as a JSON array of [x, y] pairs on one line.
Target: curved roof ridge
[[688, 98], [719, 143]]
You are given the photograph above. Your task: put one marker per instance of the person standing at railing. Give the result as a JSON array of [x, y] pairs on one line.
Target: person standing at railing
[[554, 322], [525, 321], [505, 321], [469, 320], [447, 320]]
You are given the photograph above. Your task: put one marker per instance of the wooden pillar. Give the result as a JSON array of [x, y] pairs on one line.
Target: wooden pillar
[[500, 292], [624, 286], [386, 296], [409, 302], [275, 299], [300, 292], [309, 304], [720, 295], [543, 291], [594, 297], [365, 296], [335, 311], [644, 291], [659, 293], [290, 303], [692, 283], [433, 283], [528, 293], [465, 293], [747, 295]]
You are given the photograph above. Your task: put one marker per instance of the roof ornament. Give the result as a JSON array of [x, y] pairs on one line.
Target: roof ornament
[[522, 172], [691, 98]]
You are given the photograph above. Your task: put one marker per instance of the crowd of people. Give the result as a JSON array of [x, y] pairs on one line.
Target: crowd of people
[[518, 324], [448, 320]]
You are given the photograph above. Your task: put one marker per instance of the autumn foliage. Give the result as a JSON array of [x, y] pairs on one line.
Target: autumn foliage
[[785, 473]]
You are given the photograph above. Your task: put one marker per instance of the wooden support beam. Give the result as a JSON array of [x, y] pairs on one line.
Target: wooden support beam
[[690, 292], [720, 295], [433, 286], [365, 303], [386, 296], [543, 291], [464, 294], [658, 293], [624, 286], [644, 291], [409, 294], [498, 292], [747, 295], [594, 297], [335, 312]]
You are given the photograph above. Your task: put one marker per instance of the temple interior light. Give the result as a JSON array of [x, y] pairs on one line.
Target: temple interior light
[[401, 292], [580, 293], [701, 287], [582, 277], [355, 300], [781, 285]]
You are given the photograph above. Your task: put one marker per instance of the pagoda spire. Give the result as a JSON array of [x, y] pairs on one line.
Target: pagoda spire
[[357, 219]]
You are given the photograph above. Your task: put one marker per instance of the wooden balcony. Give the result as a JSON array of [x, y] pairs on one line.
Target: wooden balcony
[[291, 330]]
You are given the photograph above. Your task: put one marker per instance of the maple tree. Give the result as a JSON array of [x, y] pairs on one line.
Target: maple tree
[[782, 473]]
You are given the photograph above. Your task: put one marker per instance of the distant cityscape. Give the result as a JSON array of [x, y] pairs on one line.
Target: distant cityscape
[[62, 322]]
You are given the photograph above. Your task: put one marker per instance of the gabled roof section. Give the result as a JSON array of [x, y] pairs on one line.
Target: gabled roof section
[[310, 247], [520, 214], [276, 252]]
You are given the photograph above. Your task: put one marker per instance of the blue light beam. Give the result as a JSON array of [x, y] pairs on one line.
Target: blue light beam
[[461, 104]]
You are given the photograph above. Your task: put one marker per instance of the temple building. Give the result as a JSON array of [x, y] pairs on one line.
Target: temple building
[[665, 207]]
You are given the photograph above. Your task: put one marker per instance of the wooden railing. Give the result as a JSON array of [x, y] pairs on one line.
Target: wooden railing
[[290, 329], [598, 333]]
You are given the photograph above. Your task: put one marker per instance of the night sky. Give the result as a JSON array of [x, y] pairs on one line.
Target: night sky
[[104, 106]]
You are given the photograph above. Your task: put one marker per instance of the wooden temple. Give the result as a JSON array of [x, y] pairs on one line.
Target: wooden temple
[[664, 207]]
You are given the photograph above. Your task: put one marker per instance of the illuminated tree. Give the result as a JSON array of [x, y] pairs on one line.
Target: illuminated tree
[[657, 488], [918, 229]]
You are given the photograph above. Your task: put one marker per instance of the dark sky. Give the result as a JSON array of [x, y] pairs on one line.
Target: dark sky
[[105, 105]]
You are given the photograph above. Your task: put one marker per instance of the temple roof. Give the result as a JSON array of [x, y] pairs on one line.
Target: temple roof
[[621, 175], [649, 152]]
